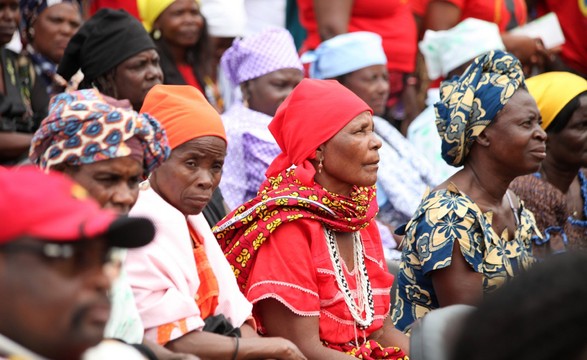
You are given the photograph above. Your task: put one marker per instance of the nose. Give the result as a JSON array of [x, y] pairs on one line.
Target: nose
[[205, 180], [540, 133], [123, 197], [382, 86], [375, 141]]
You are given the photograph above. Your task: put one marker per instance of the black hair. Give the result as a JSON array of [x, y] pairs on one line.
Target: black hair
[[561, 119], [104, 83], [539, 315]]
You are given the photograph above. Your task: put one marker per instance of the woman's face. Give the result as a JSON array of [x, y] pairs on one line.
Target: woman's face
[[265, 93], [135, 76], [515, 137], [114, 183], [54, 28], [351, 157], [371, 84], [9, 19], [569, 146], [181, 23], [191, 174]]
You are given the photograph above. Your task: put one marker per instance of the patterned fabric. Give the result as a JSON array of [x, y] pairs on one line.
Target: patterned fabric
[[270, 50], [561, 230], [468, 104], [370, 350], [404, 175], [446, 50], [43, 67], [85, 126], [285, 198], [251, 148], [446, 216]]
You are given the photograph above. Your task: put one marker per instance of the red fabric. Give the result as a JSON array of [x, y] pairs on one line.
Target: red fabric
[[494, 11], [392, 19], [419, 7], [323, 107], [129, 5], [572, 15], [371, 350], [187, 73], [240, 239], [295, 268]]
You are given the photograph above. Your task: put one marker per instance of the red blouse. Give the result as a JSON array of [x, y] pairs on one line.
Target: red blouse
[[392, 19], [498, 12], [294, 267]]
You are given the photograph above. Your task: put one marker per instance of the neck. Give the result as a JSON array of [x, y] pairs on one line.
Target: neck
[[485, 188], [558, 174], [178, 53]]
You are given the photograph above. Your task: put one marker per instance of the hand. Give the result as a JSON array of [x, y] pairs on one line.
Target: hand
[[281, 348], [178, 356], [530, 51]]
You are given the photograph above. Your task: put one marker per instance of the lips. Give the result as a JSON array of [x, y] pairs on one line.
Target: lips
[[539, 152]]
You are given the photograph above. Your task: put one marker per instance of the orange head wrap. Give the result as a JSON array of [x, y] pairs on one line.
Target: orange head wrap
[[184, 113]]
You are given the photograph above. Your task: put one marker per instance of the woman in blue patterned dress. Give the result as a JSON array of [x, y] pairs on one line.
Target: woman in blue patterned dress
[[470, 234]]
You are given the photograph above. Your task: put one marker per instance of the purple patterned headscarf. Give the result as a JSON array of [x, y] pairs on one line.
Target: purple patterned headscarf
[[85, 126], [270, 50]]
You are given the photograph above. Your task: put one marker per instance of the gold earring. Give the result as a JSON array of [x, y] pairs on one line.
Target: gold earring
[[320, 166], [156, 34]]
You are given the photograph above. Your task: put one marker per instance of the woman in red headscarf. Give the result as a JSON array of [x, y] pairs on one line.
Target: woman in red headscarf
[[306, 251]]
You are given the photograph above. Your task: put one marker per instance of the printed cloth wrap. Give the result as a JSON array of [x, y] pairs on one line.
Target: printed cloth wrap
[[85, 126], [285, 198], [370, 350], [468, 104]]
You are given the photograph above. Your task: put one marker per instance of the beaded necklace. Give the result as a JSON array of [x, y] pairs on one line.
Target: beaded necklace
[[365, 297]]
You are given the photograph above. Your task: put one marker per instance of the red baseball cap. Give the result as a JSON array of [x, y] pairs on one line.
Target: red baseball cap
[[52, 207]]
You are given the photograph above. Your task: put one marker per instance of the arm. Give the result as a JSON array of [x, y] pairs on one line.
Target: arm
[[214, 346], [457, 283], [332, 17], [301, 330], [441, 15], [14, 144]]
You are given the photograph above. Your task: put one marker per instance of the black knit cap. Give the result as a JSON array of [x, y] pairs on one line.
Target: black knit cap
[[107, 39]]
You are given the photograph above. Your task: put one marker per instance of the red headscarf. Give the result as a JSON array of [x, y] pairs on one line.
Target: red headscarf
[[312, 114]]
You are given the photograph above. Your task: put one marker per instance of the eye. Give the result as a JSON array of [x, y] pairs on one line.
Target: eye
[[134, 181], [191, 163]]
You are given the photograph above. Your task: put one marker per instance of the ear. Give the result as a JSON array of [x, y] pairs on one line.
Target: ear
[[320, 153], [483, 139]]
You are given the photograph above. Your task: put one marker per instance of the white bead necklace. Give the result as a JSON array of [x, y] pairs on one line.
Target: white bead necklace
[[365, 297]]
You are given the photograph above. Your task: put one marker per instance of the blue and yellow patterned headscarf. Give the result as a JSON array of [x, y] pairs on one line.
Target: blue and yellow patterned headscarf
[[85, 126], [470, 103]]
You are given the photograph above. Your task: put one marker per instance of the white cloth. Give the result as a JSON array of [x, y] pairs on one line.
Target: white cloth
[[262, 14], [163, 274], [423, 135], [225, 18], [446, 50], [124, 322]]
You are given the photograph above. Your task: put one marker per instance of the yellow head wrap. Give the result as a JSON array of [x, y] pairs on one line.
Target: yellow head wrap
[[149, 11], [553, 91]]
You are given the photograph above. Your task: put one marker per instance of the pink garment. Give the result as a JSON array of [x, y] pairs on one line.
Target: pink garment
[[164, 277]]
